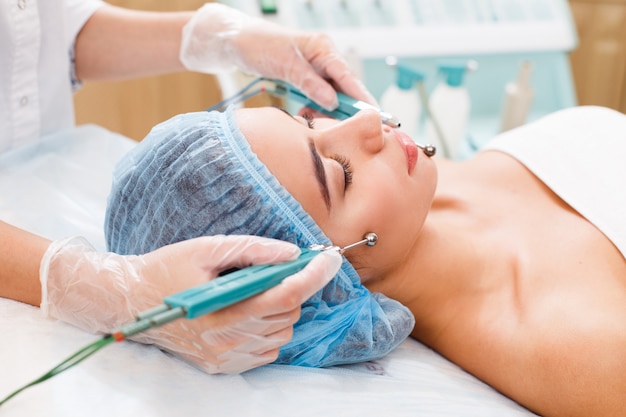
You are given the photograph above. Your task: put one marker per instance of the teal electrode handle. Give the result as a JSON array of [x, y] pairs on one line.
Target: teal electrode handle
[[197, 301], [236, 286], [348, 106], [216, 294]]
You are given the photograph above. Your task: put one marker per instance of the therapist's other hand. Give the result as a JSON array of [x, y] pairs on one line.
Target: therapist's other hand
[[99, 292], [219, 38]]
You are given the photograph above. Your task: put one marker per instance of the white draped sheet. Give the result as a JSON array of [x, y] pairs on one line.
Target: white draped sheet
[[59, 189]]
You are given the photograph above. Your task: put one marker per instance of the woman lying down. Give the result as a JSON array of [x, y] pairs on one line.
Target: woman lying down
[[512, 262]]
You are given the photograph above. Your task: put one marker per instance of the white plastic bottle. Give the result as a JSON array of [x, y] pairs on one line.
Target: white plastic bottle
[[518, 99], [402, 100], [448, 110]]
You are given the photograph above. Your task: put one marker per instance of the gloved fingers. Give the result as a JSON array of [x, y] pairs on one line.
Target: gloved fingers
[[204, 257], [236, 332], [217, 38], [86, 288], [242, 251], [229, 350], [204, 36], [283, 300], [217, 335], [259, 345], [283, 58], [344, 79], [294, 290], [236, 362], [260, 324], [255, 352], [202, 343], [301, 286], [231, 362], [319, 51], [304, 77]]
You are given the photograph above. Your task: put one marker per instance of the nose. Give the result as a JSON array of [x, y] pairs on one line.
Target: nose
[[362, 131]]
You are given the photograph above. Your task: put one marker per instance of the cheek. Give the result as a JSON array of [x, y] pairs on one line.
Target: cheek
[[390, 207], [394, 219], [395, 213]]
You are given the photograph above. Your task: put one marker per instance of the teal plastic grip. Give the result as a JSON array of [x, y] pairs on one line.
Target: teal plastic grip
[[347, 105], [236, 286]]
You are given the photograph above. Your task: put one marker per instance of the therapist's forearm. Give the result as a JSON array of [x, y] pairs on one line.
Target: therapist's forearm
[[20, 256], [117, 43]]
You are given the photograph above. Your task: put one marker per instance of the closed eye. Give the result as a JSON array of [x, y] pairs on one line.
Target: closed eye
[[347, 170], [310, 122]]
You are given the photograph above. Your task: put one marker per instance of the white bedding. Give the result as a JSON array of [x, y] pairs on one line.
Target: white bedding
[[60, 189]]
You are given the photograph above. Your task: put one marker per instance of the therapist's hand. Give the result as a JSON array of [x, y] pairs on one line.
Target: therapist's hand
[[219, 38], [99, 292]]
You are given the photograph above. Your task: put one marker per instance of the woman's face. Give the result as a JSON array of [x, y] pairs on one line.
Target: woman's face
[[353, 177]]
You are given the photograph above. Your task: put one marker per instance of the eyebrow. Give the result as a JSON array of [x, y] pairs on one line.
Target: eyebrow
[[320, 174], [283, 110]]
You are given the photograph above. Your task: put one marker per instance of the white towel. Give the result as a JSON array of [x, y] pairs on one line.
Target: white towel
[[580, 153]]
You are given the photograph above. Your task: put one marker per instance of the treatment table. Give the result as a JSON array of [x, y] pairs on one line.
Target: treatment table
[[59, 188]]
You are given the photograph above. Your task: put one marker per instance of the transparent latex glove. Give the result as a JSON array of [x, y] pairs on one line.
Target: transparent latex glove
[[219, 39], [99, 292]]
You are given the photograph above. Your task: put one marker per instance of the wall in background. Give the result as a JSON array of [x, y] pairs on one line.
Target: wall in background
[[133, 107], [599, 62]]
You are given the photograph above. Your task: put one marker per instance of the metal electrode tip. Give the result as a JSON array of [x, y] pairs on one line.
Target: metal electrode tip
[[430, 150], [371, 238], [390, 120]]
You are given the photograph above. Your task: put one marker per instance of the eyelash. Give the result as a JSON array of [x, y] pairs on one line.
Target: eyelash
[[347, 168], [342, 160], [309, 120]]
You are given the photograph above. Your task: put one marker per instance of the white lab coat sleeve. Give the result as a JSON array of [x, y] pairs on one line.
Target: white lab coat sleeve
[[77, 12]]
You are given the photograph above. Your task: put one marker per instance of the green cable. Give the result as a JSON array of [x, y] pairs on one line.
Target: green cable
[[148, 319], [76, 358]]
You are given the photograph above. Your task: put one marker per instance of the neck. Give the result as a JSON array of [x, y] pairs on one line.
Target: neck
[[444, 260], [448, 267]]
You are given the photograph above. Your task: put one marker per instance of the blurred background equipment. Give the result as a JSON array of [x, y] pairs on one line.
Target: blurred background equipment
[[582, 63]]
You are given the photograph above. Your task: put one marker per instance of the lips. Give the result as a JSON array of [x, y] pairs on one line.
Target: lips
[[409, 147]]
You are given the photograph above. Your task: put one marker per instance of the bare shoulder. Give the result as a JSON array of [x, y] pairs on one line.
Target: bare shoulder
[[555, 339], [571, 364], [569, 333], [579, 365], [561, 353]]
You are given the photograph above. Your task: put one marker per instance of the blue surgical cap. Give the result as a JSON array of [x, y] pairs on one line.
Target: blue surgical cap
[[196, 175]]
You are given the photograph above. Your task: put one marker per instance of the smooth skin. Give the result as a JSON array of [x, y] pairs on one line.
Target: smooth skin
[[503, 277], [118, 43], [20, 256]]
